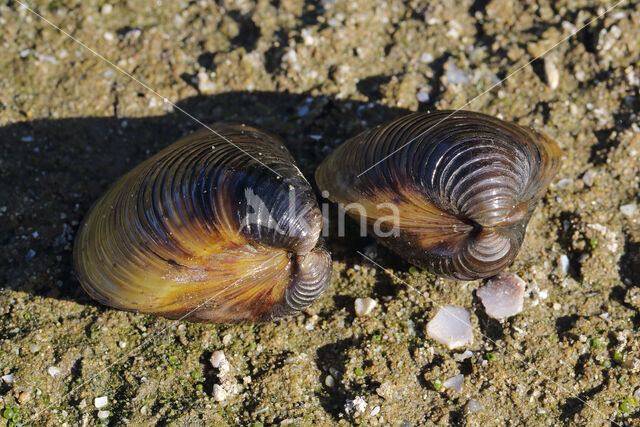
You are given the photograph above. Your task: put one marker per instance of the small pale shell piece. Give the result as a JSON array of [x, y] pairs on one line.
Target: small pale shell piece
[[217, 358], [454, 383], [364, 306], [100, 402], [451, 327], [219, 393], [503, 295]]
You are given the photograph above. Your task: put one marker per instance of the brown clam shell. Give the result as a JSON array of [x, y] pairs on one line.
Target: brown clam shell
[[461, 185], [205, 232]]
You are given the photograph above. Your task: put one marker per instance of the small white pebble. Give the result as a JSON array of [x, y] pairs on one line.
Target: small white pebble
[[426, 58], [100, 402], [565, 183], [628, 209], [103, 415], [589, 177], [82, 404], [8, 378], [451, 327], [122, 344], [219, 393], [311, 323], [53, 371], [454, 383], [358, 404], [106, 9], [423, 96], [503, 295], [364, 306], [459, 357], [551, 71], [543, 294], [217, 358], [474, 406], [564, 264], [557, 306], [108, 36], [329, 381], [375, 411]]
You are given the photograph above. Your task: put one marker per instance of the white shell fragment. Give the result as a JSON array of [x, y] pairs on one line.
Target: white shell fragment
[[461, 357], [54, 371], [218, 358], [451, 327], [629, 209], [503, 295], [551, 71], [454, 383], [219, 393], [100, 402], [364, 306]]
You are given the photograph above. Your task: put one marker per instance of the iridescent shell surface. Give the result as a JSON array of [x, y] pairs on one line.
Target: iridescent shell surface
[[207, 230], [463, 184]]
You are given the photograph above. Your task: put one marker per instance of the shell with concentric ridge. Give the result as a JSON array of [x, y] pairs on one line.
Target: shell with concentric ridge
[[460, 185], [210, 229]]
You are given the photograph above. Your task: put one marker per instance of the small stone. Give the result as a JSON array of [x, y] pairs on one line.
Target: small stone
[[629, 209], [364, 306], [551, 72], [329, 381], [106, 9], [454, 383], [8, 378], [311, 322], [24, 397], [303, 111], [226, 339], [451, 327], [426, 58], [219, 393], [474, 406], [565, 183], [30, 255], [205, 85], [358, 405], [53, 371], [423, 96], [108, 36], [459, 357], [503, 295], [217, 359], [455, 75], [82, 404], [103, 415], [375, 411], [100, 402], [589, 177], [563, 264]]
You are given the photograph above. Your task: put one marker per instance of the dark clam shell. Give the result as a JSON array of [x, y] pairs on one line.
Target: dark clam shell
[[207, 230], [463, 184]]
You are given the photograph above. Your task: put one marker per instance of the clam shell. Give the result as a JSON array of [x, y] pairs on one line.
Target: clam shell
[[462, 186], [204, 231]]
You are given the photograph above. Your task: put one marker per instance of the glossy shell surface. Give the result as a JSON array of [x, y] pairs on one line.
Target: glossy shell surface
[[462, 185], [207, 230]]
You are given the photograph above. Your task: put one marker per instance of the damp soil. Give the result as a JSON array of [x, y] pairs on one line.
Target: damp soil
[[317, 73]]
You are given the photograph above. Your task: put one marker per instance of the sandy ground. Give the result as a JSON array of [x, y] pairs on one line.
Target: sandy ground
[[317, 73]]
